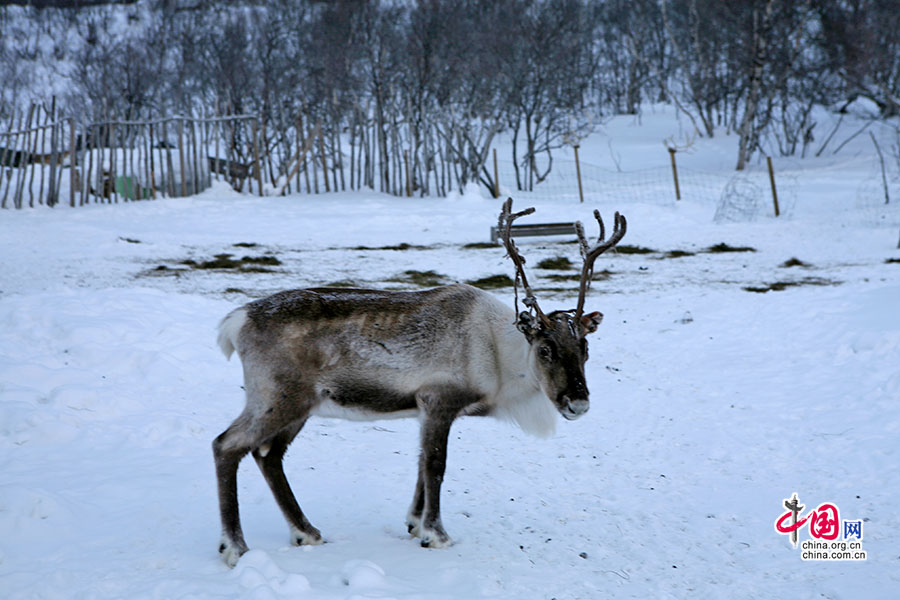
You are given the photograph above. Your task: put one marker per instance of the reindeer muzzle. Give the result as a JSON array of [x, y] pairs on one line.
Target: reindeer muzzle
[[574, 408]]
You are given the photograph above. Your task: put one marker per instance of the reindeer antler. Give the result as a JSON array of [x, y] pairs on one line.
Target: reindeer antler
[[504, 227], [590, 254]]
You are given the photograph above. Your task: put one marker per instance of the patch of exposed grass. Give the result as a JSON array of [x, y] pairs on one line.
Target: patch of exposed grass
[[628, 249], [162, 271], [480, 246], [246, 264], [130, 240], [892, 261], [261, 260], [245, 245], [493, 282], [220, 261], [598, 276], [678, 254], [232, 290], [793, 262], [560, 278], [402, 246], [420, 278], [558, 263], [779, 286], [555, 290], [722, 247], [343, 283]]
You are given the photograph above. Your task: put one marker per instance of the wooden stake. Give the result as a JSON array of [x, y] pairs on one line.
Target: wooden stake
[[230, 156], [218, 134], [324, 163], [148, 156], [113, 160], [24, 160], [85, 174], [34, 153], [675, 173], [72, 162], [298, 126], [497, 177], [339, 160], [103, 135], [884, 182], [89, 171], [578, 174], [406, 164], [256, 167], [772, 182], [165, 162], [11, 153], [152, 166], [59, 171], [40, 156], [195, 139], [181, 157], [3, 152]]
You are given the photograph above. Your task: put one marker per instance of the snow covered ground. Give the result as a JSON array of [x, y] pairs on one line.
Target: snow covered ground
[[711, 404]]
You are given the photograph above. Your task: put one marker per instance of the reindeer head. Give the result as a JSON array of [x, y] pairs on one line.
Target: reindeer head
[[558, 341]]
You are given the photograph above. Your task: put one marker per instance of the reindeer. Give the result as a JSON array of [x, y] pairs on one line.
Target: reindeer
[[436, 354]]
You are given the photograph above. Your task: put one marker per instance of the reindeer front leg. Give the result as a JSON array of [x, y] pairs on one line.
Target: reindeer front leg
[[414, 516], [440, 405]]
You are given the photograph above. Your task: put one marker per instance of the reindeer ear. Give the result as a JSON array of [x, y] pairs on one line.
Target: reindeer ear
[[591, 321], [527, 324]]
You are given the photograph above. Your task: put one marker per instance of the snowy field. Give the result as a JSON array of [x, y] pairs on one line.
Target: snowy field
[[711, 404]]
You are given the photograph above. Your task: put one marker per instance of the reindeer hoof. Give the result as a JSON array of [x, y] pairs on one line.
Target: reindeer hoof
[[306, 538], [413, 524], [436, 539], [231, 551]]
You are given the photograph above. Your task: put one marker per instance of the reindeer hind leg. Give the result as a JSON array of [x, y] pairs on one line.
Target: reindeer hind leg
[[269, 457], [228, 450]]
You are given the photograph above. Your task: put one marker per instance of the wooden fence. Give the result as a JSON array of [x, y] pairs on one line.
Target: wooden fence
[[46, 158]]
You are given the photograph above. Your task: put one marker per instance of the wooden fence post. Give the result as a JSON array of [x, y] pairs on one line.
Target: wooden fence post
[[85, 172], [113, 160], [408, 182], [496, 177], [884, 181], [102, 136], [91, 144], [675, 173], [181, 156], [72, 162], [153, 166], [3, 152], [578, 174], [772, 182], [324, 163], [256, 167], [24, 160]]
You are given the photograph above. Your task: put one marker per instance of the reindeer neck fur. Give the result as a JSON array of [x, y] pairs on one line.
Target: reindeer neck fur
[[518, 396]]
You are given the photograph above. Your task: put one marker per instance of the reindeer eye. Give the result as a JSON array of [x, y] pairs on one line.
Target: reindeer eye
[[545, 352]]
